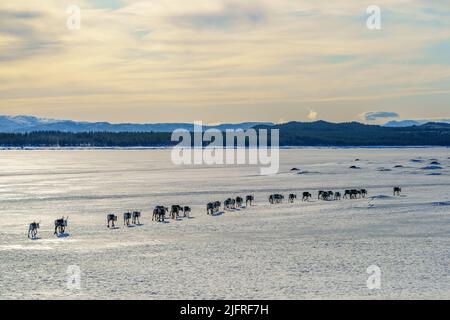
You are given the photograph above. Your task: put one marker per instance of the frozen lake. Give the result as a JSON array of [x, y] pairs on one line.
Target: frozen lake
[[317, 249]]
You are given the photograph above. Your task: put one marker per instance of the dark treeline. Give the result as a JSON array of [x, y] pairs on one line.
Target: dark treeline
[[85, 139], [323, 133], [318, 133]]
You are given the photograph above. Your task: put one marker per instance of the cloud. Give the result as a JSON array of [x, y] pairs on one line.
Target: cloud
[[22, 35], [312, 115], [376, 115], [225, 15]]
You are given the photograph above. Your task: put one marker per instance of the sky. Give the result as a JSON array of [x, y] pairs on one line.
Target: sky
[[225, 60]]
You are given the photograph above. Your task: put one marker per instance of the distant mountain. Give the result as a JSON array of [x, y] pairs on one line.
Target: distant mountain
[[16, 123], [410, 123], [22, 124], [436, 125]]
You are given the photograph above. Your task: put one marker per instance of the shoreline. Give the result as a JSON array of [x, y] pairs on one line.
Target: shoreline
[[170, 147]]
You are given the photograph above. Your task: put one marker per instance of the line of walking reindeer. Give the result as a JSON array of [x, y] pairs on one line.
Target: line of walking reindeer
[[212, 208], [159, 214], [60, 227]]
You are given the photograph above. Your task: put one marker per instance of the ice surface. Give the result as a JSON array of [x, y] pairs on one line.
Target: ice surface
[[316, 249]]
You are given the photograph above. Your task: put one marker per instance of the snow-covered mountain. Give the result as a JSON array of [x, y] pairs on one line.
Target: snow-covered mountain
[[29, 123], [410, 123]]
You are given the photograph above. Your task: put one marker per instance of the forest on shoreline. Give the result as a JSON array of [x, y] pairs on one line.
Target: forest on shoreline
[[318, 133]]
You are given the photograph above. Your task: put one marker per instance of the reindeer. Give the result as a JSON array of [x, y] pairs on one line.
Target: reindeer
[[159, 213], [249, 199], [354, 194], [397, 191], [337, 196], [60, 226], [175, 211], [210, 208], [126, 218], [347, 194], [306, 196], [363, 193], [216, 206], [135, 217], [325, 195], [186, 211], [320, 194], [330, 195], [111, 217], [229, 204], [32, 229], [239, 202], [276, 198], [292, 198]]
